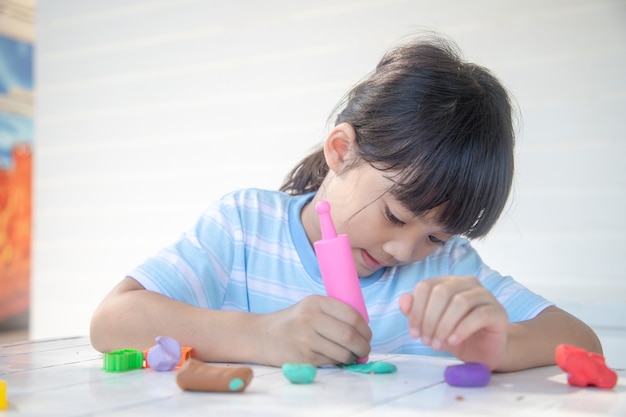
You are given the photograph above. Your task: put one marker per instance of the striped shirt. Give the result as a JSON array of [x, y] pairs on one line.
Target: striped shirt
[[249, 252]]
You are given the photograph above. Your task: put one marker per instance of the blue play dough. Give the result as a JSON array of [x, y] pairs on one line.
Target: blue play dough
[[236, 384], [471, 374], [299, 373], [372, 367]]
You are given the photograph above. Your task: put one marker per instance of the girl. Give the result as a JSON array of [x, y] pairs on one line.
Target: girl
[[419, 161]]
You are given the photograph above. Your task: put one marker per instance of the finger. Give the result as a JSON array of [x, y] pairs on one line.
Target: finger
[[459, 307], [328, 352], [420, 296], [405, 302], [347, 315], [310, 341], [490, 318], [355, 346], [441, 296], [344, 326]]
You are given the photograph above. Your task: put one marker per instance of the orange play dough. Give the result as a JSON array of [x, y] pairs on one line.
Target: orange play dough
[[199, 376]]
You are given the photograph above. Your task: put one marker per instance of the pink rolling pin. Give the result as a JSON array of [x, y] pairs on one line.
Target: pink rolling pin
[[334, 255]]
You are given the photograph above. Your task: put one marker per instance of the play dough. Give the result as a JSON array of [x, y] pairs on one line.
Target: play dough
[[165, 355], [299, 373], [199, 376], [372, 367], [471, 374]]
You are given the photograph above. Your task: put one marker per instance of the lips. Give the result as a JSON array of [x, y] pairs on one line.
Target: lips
[[369, 261]]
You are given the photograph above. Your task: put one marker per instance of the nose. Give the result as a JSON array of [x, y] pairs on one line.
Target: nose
[[402, 250]]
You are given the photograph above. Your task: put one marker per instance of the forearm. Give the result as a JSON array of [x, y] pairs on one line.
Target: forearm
[[532, 343], [133, 319]]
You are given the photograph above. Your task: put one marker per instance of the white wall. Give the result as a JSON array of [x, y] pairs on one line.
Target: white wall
[[148, 110]]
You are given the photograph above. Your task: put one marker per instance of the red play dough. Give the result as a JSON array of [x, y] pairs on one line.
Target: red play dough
[[584, 368]]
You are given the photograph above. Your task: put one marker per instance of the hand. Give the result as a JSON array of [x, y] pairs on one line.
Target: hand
[[457, 314], [318, 330]]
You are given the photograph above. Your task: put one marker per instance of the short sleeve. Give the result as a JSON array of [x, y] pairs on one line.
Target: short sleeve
[[196, 268], [520, 302]]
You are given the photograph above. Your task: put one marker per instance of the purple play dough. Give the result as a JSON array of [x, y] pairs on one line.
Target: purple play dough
[[471, 374], [165, 355]]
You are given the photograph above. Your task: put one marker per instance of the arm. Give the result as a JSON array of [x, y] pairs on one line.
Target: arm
[[532, 343], [459, 315], [318, 330]]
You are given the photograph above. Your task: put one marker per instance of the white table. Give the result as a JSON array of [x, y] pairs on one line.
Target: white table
[[64, 377]]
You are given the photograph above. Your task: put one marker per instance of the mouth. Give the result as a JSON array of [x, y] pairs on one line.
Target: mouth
[[369, 261]]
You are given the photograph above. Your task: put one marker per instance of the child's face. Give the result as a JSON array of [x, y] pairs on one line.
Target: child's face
[[382, 232]]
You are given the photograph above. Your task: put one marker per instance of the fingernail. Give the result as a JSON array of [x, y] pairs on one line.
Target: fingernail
[[426, 340], [437, 345], [415, 333]]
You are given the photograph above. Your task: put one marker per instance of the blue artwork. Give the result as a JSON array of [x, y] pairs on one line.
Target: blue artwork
[[16, 87], [16, 142]]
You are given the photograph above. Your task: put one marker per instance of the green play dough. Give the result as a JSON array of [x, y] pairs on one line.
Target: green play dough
[[372, 367], [236, 384], [299, 373]]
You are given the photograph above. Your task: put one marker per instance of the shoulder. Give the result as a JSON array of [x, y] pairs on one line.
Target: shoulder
[[464, 258], [449, 259], [243, 215], [255, 202], [456, 257], [458, 243], [255, 198], [454, 250]]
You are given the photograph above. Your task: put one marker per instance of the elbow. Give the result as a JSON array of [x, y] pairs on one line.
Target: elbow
[[96, 333], [597, 344], [108, 328], [102, 329], [581, 334]]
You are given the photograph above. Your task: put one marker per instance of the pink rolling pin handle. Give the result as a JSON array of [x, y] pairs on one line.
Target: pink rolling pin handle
[[334, 256], [326, 222]]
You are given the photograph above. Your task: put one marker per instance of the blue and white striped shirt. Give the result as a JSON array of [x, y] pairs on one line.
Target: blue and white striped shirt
[[249, 252]]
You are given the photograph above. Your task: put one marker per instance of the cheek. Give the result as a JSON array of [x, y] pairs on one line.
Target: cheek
[[367, 234], [426, 249], [358, 238]]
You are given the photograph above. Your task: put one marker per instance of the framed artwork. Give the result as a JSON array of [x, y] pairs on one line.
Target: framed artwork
[[16, 153]]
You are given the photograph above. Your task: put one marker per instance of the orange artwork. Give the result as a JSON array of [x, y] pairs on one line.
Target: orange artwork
[[15, 228], [16, 170]]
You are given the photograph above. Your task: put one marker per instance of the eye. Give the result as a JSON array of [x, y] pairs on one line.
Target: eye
[[436, 240], [391, 218]]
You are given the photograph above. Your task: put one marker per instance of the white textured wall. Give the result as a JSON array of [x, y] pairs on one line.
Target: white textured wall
[[148, 110]]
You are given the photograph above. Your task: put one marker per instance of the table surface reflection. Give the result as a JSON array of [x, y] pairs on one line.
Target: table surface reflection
[[64, 377]]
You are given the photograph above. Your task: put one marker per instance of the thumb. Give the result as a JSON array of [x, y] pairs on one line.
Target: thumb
[[406, 303]]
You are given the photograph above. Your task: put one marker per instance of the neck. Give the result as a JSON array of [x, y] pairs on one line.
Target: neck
[[310, 220]]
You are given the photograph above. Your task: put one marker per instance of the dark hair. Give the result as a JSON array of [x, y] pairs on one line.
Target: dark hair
[[440, 126]]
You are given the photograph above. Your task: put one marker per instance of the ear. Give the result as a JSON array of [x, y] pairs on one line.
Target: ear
[[339, 147]]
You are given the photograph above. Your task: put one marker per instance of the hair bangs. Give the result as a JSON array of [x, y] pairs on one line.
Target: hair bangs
[[470, 191]]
